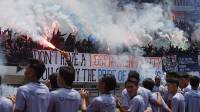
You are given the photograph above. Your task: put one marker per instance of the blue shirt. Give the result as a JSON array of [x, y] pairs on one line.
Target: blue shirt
[[136, 104], [32, 97], [145, 93], [162, 107], [6, 105], [192, 101], [62, 100], [102, 103], [178, 103], [160, 89]]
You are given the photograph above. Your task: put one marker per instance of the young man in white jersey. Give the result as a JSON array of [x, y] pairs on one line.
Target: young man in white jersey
[[145, 93], [136, 101], [33, 96], [192, 98], [178, 100], [65, 98], [184, 82], [103, 103], [167, 95]]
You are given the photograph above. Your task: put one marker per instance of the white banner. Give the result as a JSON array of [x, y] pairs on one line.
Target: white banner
[[90, 67]]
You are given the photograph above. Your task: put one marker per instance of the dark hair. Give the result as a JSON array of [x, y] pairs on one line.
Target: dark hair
[[53, 80], [134, 74], [38, 67], [68, 74], [184, 75], [194, 82], [110, 81], [173, 81], [135, 82], [148, 83], [172, 74]]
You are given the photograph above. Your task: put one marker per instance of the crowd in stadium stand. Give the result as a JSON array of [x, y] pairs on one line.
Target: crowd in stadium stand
[[152, 51], [18, 46]]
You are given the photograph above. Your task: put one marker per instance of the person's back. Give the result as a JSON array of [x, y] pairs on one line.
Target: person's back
[[147, 96], [192, 101], [32, 97], [162, 107], [102, 103], [64, 100], [178, 103], [6, 105], [137, 104], [192, 98]]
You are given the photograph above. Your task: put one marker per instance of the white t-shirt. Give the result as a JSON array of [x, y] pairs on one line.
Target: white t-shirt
[[136, 104], [32, 97], [159, 108], [178, 103], [6, 105], [192, 101], [102, 103], [145, 93], [64, 100]]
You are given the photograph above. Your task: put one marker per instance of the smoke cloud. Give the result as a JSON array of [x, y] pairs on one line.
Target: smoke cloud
[[131, 24], [135, 24]]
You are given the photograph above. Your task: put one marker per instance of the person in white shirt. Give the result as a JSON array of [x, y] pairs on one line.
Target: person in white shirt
[[6, 105], [145, 93], [184, 82], [192, 98], [33, 96], [148, 83], [136, 102], [178, 101], [103, 103], [158, 87], [65, 98]]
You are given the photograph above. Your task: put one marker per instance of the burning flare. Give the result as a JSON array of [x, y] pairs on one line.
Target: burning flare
[[49, 44]]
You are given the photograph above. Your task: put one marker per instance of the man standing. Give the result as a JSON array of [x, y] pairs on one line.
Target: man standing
[[178, 100], [65, 98], [158, 87], [192, 98], [34, 96], [184, 83], [145, 93], [136, 102]]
